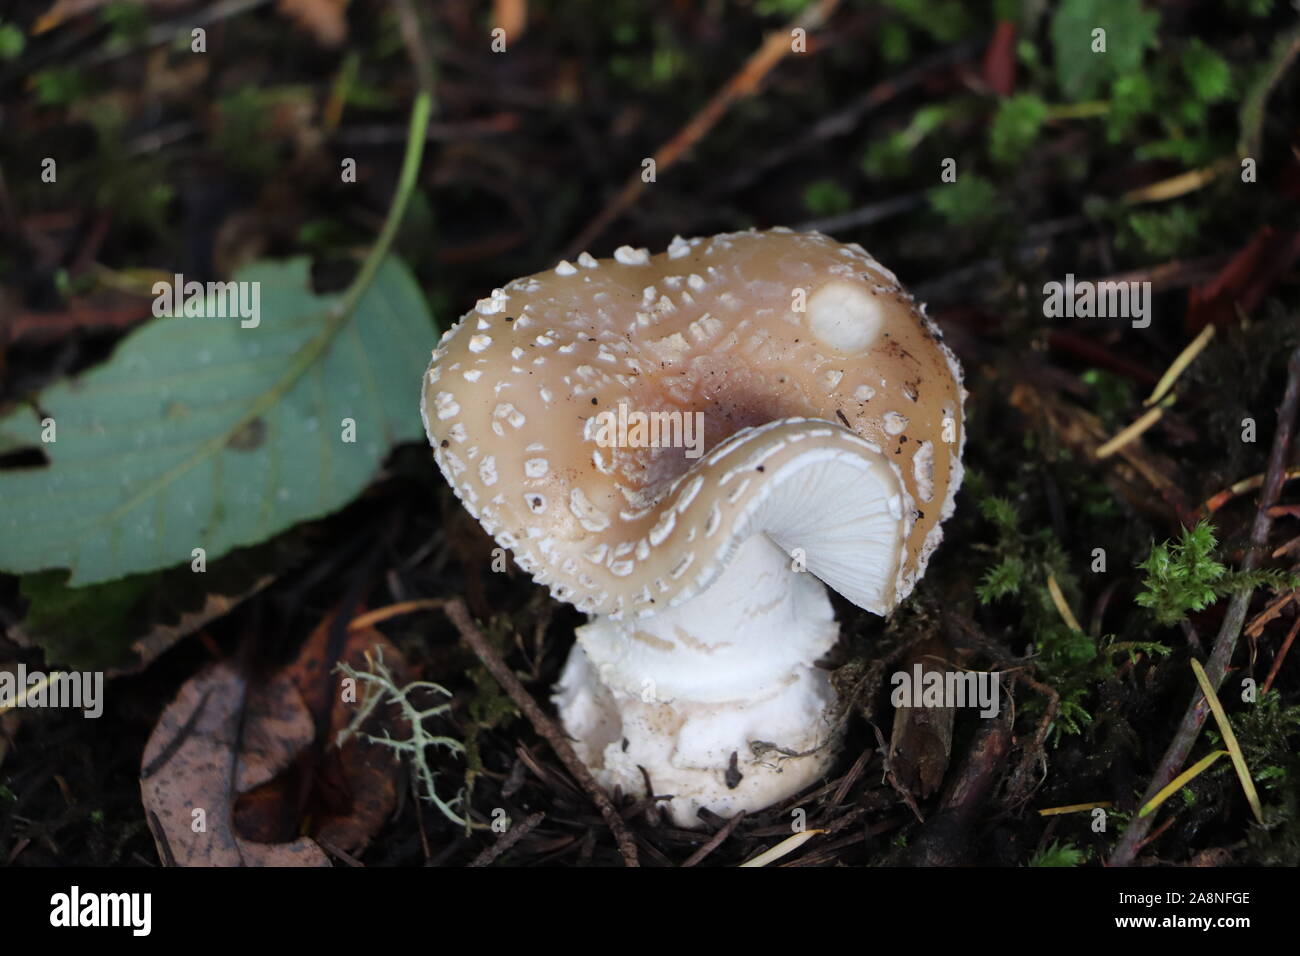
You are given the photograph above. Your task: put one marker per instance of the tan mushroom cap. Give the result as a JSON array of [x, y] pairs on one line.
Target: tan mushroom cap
[[795, 347]]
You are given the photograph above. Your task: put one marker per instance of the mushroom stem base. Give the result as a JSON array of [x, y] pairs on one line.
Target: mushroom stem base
[[720, 703]]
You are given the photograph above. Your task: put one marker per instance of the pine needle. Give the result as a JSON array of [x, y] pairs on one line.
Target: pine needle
[[1058, 599], [1075, 808], [1229, 740], [1180, 781], [784, 848], [1185, 358]]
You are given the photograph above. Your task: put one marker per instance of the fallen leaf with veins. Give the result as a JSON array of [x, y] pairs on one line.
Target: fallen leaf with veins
[[288, 769], [357, 784], [196, 760]]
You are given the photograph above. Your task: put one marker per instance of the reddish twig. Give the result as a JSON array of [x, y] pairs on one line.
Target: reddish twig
[[545, 727], [1281, 655]]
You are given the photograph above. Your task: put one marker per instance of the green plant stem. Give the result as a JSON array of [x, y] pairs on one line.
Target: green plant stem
[[416, 134], [1068, 111]]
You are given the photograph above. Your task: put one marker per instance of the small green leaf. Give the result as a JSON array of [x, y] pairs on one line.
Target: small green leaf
[[200, 433]]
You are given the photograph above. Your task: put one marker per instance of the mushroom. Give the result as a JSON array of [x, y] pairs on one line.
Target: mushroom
[[566, 412]]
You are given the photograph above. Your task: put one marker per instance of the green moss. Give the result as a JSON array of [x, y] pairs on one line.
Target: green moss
[[825, 197], [1059, 854], [1015, 127], [970, 200], [1184, 576]]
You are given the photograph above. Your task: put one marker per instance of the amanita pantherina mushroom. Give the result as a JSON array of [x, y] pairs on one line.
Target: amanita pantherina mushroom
[[832, 418]]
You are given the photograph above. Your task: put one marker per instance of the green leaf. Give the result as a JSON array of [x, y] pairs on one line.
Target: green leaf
[[1130, 30], [200, 433], [123, 625]]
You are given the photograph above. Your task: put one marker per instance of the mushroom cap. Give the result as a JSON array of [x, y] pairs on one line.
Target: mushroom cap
[[800, 354]]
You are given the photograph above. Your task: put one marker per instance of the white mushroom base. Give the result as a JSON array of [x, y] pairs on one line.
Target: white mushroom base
[[717, 699]]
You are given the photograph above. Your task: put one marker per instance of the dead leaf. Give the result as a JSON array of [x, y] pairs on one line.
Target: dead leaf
[[1244, 281], [197, 760], [920, 744], [326, 20], [364, 775], [342, 796], [511, 16], [999, 66]]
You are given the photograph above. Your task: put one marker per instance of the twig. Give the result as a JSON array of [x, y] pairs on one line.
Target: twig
[[1226, 641], [715, 841], [1217, 501], [1035, 752], [508, 839], [545, 727], [742, 83], [1281, 656]]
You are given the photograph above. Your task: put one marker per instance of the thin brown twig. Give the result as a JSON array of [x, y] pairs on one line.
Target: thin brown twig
[[772, 51], [1281, 656], [508, 839], [715, 841], [545, 727], [1225, 643], [1035, 753]]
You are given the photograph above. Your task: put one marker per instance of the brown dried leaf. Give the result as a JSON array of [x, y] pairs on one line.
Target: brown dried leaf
[[326, 20], [920, 745], [195, 759], [363, 776]]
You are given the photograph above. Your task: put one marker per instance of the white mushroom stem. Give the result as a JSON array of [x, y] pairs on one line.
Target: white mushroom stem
[[728, 672]]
